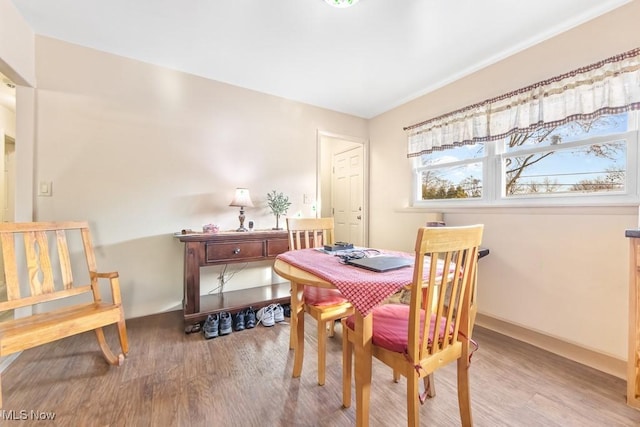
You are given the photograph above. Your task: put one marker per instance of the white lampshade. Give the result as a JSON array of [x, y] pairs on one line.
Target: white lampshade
[[242, 198]]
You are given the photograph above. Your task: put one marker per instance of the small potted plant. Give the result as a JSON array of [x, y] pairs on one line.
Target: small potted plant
[[278, 203]]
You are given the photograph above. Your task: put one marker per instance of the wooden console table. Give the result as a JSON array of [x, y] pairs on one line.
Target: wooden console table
[[206, 249], [633, 362]]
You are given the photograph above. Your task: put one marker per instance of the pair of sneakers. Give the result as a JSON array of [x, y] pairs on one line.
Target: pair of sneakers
[[217, 324], [270, 315], [244, 319]]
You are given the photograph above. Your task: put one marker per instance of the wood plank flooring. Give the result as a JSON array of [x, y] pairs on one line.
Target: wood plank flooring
[[244, 379]]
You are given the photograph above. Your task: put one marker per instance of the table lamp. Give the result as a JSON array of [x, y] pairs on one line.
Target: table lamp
[[241, 199]]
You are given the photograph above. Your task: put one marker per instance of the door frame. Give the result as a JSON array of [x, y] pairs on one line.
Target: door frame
[[321, 143]]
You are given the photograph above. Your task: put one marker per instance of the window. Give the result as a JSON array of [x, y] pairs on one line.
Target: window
[[588, 161], [456, 173]]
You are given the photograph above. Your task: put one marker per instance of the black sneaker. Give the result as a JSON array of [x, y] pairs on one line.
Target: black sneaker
[[225, 323], [210, 327], [238, 321], [287, 310], [249, 318]]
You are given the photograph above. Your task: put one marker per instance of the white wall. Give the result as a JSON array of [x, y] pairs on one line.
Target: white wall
[[561, 272], [142, 152]]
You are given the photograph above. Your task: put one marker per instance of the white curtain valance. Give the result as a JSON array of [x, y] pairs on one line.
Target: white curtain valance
[[610, 86]]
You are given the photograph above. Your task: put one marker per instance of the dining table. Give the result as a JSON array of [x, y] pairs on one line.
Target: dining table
[[365, 290]]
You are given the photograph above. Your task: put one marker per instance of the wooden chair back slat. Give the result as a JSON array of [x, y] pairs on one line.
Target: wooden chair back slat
[[40, 251], [88, 249], [91, 261], [10, 266], [38, 262], [309, 232], [65, 260]]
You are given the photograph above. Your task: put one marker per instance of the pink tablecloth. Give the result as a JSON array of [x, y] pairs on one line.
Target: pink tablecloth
[[363, 288]]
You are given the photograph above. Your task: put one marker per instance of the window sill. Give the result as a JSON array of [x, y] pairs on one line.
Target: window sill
[[629, 209]]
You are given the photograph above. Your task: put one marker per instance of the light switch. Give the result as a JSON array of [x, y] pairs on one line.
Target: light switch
[[44, 188]]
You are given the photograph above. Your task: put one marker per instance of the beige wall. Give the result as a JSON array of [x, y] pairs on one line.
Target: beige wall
[[8, 122], [17, 62], [16, 46], [562, 272], [142, 152]]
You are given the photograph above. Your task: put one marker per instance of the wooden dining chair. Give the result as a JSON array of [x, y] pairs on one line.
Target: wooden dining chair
[[324, 305], [429, 382], [440, 305]]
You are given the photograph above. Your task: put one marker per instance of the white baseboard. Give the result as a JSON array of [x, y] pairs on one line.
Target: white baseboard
[[602, 362]]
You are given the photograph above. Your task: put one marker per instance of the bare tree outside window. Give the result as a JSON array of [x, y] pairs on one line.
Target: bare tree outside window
[[534, 172]]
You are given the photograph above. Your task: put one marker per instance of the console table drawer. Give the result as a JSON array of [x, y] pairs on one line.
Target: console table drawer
[[277, 246], [232, 251]]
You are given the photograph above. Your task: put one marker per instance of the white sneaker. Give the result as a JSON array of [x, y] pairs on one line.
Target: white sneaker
[[265, 316], [278, 313]]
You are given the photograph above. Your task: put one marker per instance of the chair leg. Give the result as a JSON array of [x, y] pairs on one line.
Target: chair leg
[[322, 351], [297, 306], [122, 334], [297, 333], [396, 376], [111, 358], [332, 328], [430, 385], [347, 360], [464, 398], [292, 335], [413, 399]]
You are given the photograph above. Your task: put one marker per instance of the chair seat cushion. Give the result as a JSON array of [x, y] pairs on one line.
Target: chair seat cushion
[[321, 296], [391, 326]]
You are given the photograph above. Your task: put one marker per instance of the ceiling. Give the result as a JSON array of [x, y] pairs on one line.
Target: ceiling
[[362, 60]]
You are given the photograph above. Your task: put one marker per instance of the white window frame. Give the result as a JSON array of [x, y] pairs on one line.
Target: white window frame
[[493, 178]]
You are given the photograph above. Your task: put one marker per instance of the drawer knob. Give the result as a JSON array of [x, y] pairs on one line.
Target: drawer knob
[[236, 251]]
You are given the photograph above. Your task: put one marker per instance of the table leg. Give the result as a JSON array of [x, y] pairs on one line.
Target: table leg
[[363, 362], [296, 341]]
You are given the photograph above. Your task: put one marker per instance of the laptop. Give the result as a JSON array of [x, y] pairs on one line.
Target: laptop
[[381, 263]]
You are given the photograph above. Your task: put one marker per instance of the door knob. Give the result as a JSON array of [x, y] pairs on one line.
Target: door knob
[[359, 217]]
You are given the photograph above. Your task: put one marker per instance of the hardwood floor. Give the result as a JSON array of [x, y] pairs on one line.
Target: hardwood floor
[[244, 379]]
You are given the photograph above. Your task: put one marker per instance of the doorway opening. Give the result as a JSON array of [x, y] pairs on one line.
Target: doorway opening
[[7, 156], [342, 185]]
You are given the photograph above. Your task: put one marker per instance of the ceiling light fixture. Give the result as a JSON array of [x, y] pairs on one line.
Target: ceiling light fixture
[[341, 3]]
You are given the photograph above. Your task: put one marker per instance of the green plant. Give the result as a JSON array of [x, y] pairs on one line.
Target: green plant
[[279, 204]]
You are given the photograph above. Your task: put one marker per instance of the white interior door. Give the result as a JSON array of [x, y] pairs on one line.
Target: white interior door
[[348, 196]]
